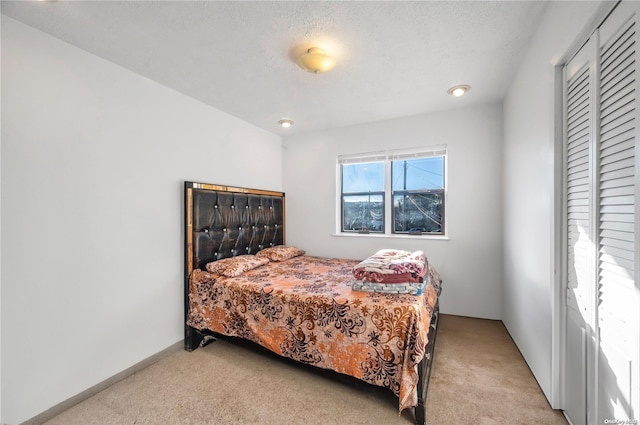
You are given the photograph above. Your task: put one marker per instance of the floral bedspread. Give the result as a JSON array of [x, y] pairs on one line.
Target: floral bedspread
[[304, 309]]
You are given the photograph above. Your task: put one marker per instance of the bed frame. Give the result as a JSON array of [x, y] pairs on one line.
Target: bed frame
[[224, 221]]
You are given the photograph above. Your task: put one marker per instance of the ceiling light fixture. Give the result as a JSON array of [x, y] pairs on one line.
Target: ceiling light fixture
[[285, 123], [316, 60], [458, 91]]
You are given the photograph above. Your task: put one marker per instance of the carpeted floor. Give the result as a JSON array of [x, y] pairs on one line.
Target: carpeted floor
[[478, 377]]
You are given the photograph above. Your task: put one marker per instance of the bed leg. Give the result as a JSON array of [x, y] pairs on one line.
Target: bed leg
[[421, 414], [192, 338]]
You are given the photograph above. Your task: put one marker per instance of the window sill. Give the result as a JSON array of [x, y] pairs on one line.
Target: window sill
[[391, 236]]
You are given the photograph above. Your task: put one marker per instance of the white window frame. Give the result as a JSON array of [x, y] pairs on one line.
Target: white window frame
[[389, 156]]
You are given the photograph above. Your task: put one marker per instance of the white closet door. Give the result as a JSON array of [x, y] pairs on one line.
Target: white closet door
[[618, 301], [602, 224], [579, 231]]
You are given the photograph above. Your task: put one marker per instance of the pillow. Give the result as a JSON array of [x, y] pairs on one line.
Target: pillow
[[235, 266], [280, 253]]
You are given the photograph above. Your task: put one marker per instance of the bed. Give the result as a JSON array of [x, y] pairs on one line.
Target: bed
[[242, 281]]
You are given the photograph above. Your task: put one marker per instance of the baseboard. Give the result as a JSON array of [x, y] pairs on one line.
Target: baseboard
[[90, 392], [567, 417]]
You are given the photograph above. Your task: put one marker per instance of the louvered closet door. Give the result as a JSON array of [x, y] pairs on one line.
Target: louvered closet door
[[601, 233], [579, 75], [618, 298]]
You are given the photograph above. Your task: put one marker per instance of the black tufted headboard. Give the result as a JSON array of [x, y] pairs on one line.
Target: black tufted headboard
[[223, 221]]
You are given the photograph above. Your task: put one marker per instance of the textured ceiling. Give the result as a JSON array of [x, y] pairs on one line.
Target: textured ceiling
[[393, 58]]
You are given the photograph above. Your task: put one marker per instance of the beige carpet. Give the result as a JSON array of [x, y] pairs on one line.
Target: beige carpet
[[478, 377]]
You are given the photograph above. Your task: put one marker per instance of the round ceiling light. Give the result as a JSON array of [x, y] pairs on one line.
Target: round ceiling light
[[458, 91], [285, 123], [316, 60]]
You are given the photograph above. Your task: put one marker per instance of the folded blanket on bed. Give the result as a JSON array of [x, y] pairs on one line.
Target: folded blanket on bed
[[390, 288], [392, 266]]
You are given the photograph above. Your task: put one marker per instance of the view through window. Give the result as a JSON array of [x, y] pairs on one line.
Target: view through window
[[413, 185]]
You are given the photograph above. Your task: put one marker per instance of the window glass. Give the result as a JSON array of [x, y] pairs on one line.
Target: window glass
[[418, 212], [363, 197], [363, 177], [363, 213], [418, 174]]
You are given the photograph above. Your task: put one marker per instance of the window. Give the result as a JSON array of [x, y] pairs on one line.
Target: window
[[363, 197], [406, 186]]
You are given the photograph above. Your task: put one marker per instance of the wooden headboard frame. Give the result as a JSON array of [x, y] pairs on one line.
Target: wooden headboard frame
[[225, 221]]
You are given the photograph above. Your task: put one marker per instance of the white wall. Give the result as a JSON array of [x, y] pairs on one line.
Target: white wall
[[93, 163], [470, 262], [529, 191]]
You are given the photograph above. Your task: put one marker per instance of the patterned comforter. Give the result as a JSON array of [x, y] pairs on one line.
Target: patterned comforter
[[304, 309]]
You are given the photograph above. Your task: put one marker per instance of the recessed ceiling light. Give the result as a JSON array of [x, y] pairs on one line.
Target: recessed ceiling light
[[458, 91], [285, 123]]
